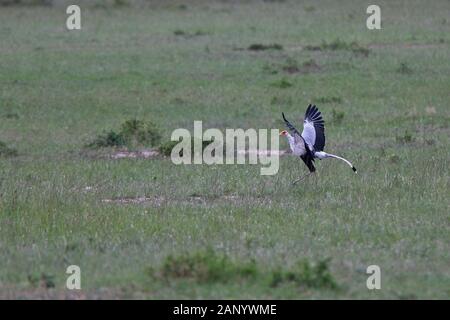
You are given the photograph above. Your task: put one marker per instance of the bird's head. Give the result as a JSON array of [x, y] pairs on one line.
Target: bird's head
[[284, 133]]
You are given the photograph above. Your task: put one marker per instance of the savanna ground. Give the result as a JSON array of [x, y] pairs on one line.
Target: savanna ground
[[225, 231]]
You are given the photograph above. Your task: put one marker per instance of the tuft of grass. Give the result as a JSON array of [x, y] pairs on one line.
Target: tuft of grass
[[337, 116], [137, 132], [6, 151], [165, 148], [305, 274], [405, 138], [108, 139], [403, 68], [282, 84], [11, 115], [340, 45], [133, 133], [262, 47], [179, 32]]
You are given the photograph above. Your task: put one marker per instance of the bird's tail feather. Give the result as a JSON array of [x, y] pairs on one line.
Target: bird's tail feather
[[345, 160]]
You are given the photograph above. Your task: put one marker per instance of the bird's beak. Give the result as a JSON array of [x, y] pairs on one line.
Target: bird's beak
[[281, 133]]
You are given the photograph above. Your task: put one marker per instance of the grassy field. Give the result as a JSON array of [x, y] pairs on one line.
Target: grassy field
[[225, 231]]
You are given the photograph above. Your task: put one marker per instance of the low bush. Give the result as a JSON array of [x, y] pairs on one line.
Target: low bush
[[132, 133]]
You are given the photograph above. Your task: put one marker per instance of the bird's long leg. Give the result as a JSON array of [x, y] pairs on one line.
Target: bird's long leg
[[301, 178]]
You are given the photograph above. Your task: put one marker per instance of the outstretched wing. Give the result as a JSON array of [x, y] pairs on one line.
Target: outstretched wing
[[314, 128], [297, 136], [308, 157]]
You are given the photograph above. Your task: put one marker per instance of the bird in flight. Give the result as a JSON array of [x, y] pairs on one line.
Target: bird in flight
[[310, 143]]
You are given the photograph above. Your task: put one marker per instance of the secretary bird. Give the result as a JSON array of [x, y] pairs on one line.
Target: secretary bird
[[310, 143]]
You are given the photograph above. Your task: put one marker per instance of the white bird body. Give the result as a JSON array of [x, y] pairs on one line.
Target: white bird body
[[310, 143], [297, 148]]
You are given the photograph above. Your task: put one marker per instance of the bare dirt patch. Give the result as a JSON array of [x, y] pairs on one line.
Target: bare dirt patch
[[404, 45], [151, 153], [13, 293], [127, 200], [292, 67], [196, 200], [135, 154], [262, 152]]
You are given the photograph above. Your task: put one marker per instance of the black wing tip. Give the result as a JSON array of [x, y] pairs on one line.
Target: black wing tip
[[311, 111], [354, 170]]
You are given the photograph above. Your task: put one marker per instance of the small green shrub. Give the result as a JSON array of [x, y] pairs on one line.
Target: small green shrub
[[305, 274], [137, 132], [179, 32], [166, 148], [133, 133], [108, 139], [206, 266]]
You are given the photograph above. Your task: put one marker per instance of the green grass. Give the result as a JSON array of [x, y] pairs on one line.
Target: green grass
[[388, 111]]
